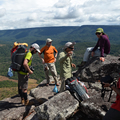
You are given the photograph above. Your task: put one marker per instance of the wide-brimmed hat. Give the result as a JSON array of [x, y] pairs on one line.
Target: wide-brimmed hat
[[36, 46], [68, 44]]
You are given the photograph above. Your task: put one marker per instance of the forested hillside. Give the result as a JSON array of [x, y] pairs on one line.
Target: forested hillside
[[84, 36]]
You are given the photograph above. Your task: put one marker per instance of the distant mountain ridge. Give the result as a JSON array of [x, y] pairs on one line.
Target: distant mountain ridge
[[59, 34]]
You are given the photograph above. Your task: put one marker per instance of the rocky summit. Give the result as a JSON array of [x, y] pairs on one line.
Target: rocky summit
[[48, 105]]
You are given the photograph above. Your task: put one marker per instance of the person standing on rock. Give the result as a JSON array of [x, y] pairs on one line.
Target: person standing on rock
[[23, 76], [101, 49], [49, 60], [114, 111], [65, 60]]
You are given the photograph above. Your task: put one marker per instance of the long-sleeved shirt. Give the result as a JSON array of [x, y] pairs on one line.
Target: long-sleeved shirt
[[65, 65], [104, 44]]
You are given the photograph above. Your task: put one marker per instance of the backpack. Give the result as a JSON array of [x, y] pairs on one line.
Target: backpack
[[107, 79], [78, 90], [18, 53]]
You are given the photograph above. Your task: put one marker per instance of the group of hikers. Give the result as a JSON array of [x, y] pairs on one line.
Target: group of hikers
[[101, 49]]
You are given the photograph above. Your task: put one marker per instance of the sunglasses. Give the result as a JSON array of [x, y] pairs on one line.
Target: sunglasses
[[70, 48], [97, 33]]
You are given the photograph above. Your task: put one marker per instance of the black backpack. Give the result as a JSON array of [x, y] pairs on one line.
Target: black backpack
[[107, 79], [17, 58], [76, 89]]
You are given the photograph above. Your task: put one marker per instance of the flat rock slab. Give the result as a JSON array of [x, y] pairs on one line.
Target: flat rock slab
[[11, 108], [61, 105]]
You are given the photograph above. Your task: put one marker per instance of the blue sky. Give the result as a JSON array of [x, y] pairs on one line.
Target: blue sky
[[16, 14]]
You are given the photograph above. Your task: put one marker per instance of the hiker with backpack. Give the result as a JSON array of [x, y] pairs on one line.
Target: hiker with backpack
[[114, 112], [49, 61], [101, 49], [65, 60], [23, 76]]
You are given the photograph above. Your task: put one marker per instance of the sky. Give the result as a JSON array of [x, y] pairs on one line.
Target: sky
[[17, 14]]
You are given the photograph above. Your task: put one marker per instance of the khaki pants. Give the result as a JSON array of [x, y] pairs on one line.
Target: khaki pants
[[52, 69], [62, 88]]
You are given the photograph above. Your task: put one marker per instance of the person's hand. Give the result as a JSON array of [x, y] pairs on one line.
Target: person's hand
[[73, 65], [55, 60], [106, 84], [30, 72], [92, 54], [43, 61], [69, 53], [102, 59]]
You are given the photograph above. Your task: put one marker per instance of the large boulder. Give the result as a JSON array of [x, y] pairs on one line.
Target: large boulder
[[59, 107], [94, 69]]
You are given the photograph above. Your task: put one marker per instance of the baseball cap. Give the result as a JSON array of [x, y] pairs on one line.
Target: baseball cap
[[99, 30], [48, 40], [36, 46], [68, 44]]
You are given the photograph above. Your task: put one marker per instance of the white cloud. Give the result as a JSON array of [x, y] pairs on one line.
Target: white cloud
[[2, 12], [68, 13], [32, 17], [62, 3], [16, 14]]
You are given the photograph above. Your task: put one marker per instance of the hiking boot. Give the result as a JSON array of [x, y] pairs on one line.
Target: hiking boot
[[27, 102], [82, 64], [57, 84], [47, 84], [22, 101]]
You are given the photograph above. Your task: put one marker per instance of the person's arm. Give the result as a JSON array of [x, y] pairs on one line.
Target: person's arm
[[41, 58], [63, 57], [102, 45], [25, 64], [73, 65], [117, 90], [55, 56]]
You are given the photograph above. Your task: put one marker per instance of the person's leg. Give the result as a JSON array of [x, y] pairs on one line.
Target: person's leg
[[112, 114], [53, 72], [62, 87], [97, 53], [46, 71], [24, 86], [20, 88], [87, 54]]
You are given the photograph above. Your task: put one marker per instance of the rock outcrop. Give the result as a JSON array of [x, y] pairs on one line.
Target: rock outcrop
[[61, 106], [94, 69]]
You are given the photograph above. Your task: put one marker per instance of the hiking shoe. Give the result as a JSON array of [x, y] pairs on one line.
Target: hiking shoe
[[27, 102], [47, 84], [57, 84], [22, 101]]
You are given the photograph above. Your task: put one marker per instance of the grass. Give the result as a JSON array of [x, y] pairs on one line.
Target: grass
[[9, 88]]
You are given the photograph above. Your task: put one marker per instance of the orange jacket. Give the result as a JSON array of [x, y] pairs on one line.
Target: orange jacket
[[48, 53]]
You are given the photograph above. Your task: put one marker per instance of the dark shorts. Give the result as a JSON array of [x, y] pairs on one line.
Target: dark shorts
[[112, 114], [22, 81]]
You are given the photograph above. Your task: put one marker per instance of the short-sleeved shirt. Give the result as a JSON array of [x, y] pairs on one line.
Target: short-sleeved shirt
[[116, 105], [29, 58], [48, 53]]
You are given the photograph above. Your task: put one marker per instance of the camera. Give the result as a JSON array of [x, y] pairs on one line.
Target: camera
[[31, 68]]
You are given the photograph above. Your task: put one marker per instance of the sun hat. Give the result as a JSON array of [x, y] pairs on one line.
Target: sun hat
[[68, 44], [99, 30], [36, 46], [48, 40]]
